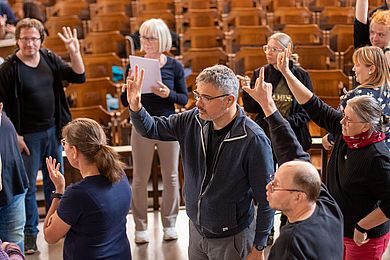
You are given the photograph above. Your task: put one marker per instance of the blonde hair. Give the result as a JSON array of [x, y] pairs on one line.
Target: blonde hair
[[373, 56], [158, 29], [89, 138], [381, 17]]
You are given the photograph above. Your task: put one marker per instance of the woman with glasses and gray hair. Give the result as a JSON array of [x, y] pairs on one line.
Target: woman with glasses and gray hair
[[358, 175], [155, 41], [284, 100]]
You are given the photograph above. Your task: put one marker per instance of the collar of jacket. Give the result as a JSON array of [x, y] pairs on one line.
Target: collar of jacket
[[238, 130]]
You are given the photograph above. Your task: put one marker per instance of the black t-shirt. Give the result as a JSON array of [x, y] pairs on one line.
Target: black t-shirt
[[215, 138], [38, 97]]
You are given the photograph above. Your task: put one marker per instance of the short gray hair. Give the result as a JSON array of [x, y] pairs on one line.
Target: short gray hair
[[368, 109], [158, 29], [221, 77], [283, 39]]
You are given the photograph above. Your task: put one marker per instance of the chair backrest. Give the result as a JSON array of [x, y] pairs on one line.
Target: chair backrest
[[201, 58], [341, 37], [65, 8], [111, 6], [201, 17], [203, 37], [104, 22], [103, 42], [331, 16], [243, 16], [248, 59], [293, 15], [92, 92], [100, 65], [166, 15], [317, 57], [305, 34], [54, 24], [329, 83], [55, 44]]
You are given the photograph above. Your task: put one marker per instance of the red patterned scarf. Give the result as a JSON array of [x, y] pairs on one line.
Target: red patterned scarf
[[363, 139]]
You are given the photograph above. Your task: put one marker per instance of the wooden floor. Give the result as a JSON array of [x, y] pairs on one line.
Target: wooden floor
[[157, 249]]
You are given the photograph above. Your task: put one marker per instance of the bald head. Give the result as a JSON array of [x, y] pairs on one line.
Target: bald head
[[304, 176]]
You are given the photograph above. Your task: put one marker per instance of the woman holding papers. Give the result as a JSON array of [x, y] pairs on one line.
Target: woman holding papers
[[156, 39]]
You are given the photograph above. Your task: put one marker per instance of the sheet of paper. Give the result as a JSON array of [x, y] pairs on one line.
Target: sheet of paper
[[152, 72]]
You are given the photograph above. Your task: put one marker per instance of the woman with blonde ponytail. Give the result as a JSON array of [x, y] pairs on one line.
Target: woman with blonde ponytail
[[90, 214]]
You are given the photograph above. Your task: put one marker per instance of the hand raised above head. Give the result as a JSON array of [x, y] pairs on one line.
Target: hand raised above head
[[70, 40], [133, 86]]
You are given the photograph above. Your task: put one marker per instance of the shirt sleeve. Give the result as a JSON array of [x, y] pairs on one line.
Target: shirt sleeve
[[71, 206], [178, 94]]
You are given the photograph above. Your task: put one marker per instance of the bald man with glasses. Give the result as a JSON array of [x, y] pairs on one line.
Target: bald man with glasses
[[315, 222]]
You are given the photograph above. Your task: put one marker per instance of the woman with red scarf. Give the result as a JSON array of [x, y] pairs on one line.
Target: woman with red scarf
[[358, 174]]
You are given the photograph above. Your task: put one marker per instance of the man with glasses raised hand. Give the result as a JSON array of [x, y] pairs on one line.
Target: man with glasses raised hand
[[227, 162], [31, 88], [315, 222]]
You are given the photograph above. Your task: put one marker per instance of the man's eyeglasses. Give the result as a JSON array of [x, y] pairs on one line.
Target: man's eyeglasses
[[273, 188], [63, 142], [198, 96], [267, 48], [26, 40], [149, 39], [348, 121]]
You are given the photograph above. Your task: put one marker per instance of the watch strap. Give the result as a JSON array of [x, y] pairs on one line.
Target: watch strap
[[386, 49], [260, 248], [56, 195], [360, 229]]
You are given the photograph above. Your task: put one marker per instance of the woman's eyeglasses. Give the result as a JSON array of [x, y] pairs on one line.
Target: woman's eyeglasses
[[267, 49]]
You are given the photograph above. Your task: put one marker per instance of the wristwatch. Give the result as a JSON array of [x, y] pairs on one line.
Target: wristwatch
[[360, 229], [260, 248], [56, 195]]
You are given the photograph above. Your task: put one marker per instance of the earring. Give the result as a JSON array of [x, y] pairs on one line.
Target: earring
[[369, 73]]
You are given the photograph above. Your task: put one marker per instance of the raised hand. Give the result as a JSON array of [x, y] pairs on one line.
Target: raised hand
[[55, 175], [133, 86], [283, 60], [70, 39], [262, 93]]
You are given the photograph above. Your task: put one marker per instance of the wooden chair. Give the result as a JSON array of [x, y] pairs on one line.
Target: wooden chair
[[340, 37], [346, 63], [105, 22], [197, 18], [103, 42], [100, 65], [247, 59], [243, 17], [319, 5], [55, 44], [54, 25], [100, 115], [111, 6], [166, 15], [65, 8], [291, 15], [276, 4], [317, 57], [332, 16], [202, 37], [249, 35], [92, 92], [199, 59], [7, 47], [140, 6], [305, 34], [329, 83], [228, 6]]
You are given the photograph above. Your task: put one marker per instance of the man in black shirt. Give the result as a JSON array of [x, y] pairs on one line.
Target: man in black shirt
[[33, 96], [296, 190]]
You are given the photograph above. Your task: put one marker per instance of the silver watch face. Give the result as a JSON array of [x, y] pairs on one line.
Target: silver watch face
[[260, 248]]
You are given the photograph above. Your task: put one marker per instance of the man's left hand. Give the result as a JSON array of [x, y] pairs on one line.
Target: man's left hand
[[70, 40]]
